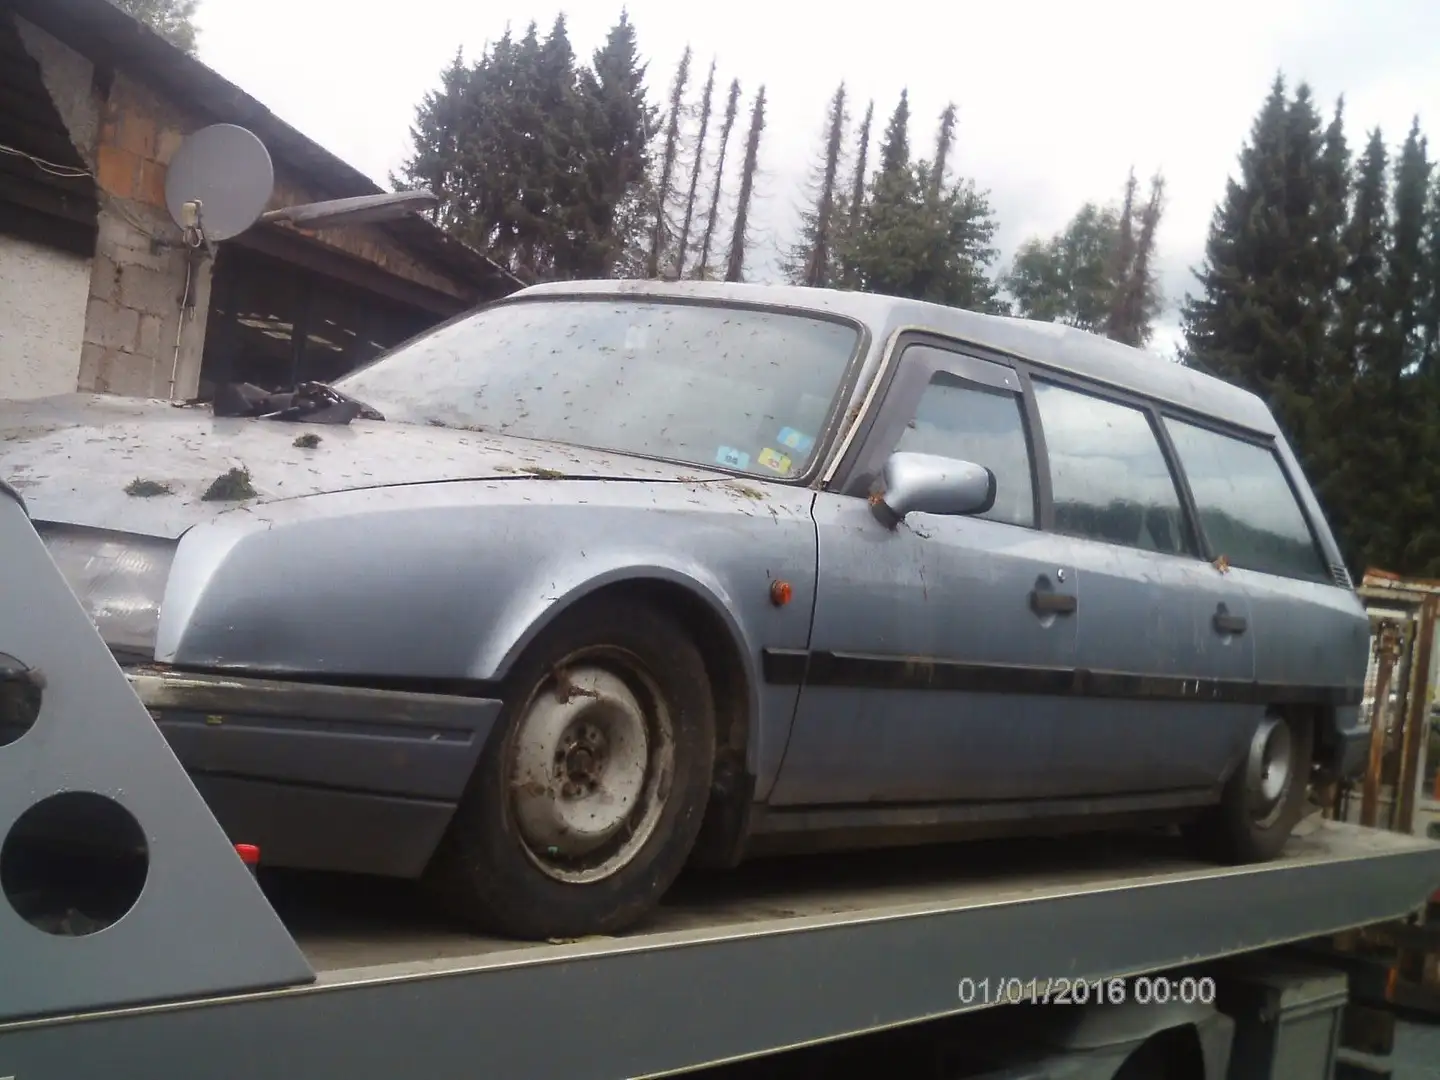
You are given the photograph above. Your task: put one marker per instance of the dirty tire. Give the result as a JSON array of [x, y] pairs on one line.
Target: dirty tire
[[1230, 832], [485, 871]]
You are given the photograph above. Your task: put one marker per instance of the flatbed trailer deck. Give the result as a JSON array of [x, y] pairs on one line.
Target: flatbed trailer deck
[[779, 956], [203, 977]]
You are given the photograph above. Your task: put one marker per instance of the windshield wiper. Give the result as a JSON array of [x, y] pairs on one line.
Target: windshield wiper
[[310, 402]]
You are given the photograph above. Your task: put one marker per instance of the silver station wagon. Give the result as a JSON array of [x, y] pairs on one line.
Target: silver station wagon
[[608, 578]]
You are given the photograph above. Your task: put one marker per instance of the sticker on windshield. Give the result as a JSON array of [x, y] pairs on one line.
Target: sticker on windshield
[[773, 459], [793, 439], [735, 459]]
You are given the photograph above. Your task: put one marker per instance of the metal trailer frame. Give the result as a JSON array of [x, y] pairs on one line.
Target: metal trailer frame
[[201, 979]]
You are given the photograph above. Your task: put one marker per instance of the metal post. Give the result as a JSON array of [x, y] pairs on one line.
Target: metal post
[[1417, 718], [1387, 652]]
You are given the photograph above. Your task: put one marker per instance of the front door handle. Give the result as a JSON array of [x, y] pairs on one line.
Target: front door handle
[[1046, 602], [1225, 623]]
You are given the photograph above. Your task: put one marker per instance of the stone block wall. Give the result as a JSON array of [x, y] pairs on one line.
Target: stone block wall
[[145, 326]]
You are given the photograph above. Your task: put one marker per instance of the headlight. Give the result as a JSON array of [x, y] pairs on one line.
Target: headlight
[[119, 579]]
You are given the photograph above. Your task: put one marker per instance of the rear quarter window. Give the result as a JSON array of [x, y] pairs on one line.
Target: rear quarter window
[[1247, 508]]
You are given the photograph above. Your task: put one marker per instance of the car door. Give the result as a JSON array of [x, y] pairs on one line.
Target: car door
[[924, 634], [1166, 653], [1311, 636]]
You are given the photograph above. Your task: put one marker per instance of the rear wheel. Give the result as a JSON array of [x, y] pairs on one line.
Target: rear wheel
[[1265, 797], [591, 793]]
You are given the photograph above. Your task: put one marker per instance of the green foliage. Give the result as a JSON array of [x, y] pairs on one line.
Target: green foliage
[[1068, 277], [1098, 272], [536, 159], [921, 234], [814, 258], [1320, 292], [174, 20]]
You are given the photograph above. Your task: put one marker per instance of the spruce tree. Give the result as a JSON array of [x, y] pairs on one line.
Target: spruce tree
[[619, 123], [669, 156], [1430, 303], [1415, 420], [813, 259], [1406, 271], [739, 236], [944, 143], [913, 244], [855, 203], [703, 269], [707, 96]]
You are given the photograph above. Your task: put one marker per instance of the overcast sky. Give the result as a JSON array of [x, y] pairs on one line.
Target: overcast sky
[[1057, 99]]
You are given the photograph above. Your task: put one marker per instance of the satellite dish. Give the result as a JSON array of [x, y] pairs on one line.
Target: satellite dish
[[219, 182]]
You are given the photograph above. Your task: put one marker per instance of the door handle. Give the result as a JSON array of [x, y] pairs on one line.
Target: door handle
[[1225, 623], [1046, 602]]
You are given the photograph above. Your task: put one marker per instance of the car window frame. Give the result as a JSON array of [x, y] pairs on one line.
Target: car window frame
[[826, 440], [1267, 444], [918, 358], [1151, 410]]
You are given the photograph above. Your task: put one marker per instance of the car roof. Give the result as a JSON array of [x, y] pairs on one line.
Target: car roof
[[1049, 345]]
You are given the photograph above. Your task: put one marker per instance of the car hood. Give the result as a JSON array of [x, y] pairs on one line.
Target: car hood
[[77, 459]]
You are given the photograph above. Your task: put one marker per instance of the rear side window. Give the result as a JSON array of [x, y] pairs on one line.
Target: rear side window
[[967, 422], [1108, 474], [1247, 507]]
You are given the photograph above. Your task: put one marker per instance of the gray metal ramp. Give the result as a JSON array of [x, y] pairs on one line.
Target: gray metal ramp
[[118, 884], [736, 970], [202, 979]]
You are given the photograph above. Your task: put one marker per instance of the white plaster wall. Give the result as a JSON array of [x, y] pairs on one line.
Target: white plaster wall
[[43, 295]]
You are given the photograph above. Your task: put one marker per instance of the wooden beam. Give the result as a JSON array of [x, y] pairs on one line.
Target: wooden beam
[[289, 246]]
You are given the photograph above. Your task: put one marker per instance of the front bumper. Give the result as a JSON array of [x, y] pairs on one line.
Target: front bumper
[[319, 776]]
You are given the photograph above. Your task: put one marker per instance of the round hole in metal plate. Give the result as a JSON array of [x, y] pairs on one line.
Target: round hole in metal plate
[[22, 689], [74, 864]]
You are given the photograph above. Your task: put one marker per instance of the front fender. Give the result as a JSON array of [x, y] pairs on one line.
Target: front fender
[[447, 582]]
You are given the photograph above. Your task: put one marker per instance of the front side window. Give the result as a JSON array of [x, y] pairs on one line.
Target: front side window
[[967, 422], [1108, 474], [1246, 505], [703, 384]]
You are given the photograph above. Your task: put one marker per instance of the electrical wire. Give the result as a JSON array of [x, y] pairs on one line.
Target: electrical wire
[[64, 172]]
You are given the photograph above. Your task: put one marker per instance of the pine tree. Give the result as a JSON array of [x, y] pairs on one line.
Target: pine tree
[[697, 163], [712, 216], [664, 184], [739, 236], [813, 259]]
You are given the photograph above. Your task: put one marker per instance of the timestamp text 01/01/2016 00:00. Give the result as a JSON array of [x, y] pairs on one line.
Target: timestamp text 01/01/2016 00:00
[[1142, 989]]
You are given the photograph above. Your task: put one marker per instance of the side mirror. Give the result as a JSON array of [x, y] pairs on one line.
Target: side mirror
[[931, 485]]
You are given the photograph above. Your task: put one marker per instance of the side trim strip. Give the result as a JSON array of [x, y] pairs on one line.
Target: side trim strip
[[791, 667]]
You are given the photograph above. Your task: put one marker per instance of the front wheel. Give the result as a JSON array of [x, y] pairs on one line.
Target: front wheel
[[590, 795], [1264, 798]]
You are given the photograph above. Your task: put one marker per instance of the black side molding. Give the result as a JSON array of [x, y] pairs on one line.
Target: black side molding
[[791, 667]]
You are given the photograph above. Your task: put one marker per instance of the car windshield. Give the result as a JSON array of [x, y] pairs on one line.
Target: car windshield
[[699, 383]]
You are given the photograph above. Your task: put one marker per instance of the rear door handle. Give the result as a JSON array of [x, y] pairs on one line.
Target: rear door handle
[[1225, 623], [1046, 602]]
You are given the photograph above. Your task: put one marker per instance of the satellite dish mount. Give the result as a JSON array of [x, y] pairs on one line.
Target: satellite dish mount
[[222, 179]]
